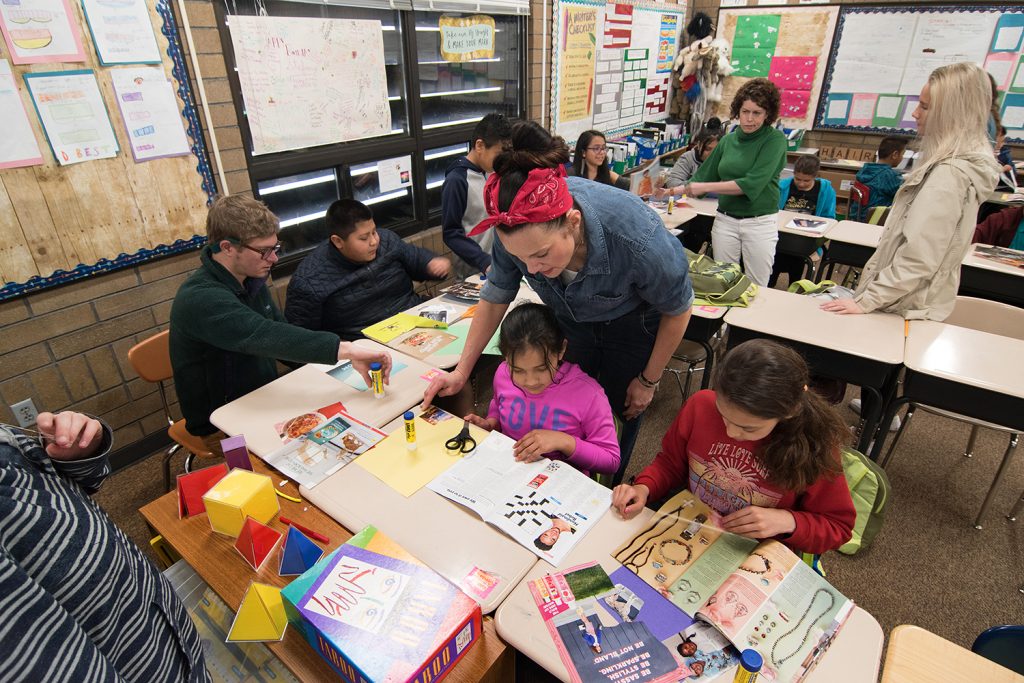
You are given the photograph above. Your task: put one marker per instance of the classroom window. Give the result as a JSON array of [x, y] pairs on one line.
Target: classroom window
[[436, 162], [391, 207], [300, 202]]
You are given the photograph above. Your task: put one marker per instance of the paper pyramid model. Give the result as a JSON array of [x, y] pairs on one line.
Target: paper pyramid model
[[260, 616], [192, 486], [256, 541], [298, 554]]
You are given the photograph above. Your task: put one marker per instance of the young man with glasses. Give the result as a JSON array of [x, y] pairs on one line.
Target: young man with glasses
[[226, 332]]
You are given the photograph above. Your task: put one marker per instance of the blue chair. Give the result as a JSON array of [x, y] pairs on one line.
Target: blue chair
[[1003, 645]]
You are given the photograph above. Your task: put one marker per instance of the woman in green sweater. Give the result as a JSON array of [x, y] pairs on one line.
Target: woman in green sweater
[[743, 171]]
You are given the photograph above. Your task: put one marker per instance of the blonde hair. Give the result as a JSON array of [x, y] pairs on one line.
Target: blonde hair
[[961, 104], [240, 218]]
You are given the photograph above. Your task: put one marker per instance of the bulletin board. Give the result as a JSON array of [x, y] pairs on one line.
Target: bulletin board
[[611, 66], [883, 56], [112, 207], [787, 45]]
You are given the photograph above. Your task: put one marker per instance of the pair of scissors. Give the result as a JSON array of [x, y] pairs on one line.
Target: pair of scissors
[[462, 442]]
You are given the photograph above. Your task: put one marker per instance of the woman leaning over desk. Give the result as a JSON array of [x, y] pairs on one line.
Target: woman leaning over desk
[[743, 170], [600, 258]]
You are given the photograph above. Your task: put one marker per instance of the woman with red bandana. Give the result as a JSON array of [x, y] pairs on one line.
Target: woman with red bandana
[[600, 258]]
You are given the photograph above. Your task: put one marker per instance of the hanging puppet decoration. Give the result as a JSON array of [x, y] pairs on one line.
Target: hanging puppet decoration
[[698, 72]]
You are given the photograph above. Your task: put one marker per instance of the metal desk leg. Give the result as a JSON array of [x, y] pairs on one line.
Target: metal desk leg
[[1011, 448], [869, 418], [887, 417], [709, 362]]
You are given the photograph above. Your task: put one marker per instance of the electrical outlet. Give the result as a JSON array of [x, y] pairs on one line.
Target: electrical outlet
[[25, 412]]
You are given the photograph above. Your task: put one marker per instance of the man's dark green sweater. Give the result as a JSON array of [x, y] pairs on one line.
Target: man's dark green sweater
[[225, 339]]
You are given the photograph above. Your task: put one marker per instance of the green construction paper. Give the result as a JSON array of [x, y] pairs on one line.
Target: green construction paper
[[461, 332], [888, 122], [757, 31], [751, 63]]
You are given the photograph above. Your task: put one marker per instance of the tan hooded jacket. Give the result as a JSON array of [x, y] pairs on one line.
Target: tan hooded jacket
[[915, 270]]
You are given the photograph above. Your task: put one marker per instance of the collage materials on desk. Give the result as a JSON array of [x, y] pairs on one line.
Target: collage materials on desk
[[376, 612], [467, 291], [604, 632], [758, 595], [440, 312], [397, 325], [422, 343], [324, 449], [295, 427], [348, 374], [808, 225], [1004, 255], [546, 506]]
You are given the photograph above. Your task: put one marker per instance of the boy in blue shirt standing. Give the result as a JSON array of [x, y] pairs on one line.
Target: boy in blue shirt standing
[[881, 177], [462, 196]]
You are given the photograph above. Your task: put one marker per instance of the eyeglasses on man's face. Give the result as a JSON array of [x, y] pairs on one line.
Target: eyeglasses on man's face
[[264, 252]]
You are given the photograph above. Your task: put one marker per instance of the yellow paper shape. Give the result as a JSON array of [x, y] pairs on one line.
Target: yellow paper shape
[[408, 471], [261, 615], [239, 495], [399, 324]]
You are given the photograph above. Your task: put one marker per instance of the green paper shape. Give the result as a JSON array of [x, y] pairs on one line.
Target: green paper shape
[[751, 63], [889, 122], [757, 31]]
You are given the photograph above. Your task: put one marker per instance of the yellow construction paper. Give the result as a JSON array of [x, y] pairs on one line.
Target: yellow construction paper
[[408, 471], [261, 615], [399, 324], [239, 495]]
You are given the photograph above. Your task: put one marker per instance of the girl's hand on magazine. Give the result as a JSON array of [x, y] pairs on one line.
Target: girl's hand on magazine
[[629, 500], [534, 445], [759, 522]]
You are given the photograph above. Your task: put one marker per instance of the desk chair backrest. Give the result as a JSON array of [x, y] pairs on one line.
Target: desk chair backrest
[[988, 316], [1003, 645], [856, 206], [151, 359]]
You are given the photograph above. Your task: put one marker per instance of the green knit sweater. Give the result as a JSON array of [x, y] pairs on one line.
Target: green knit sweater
[[225, 339], [754, 161]]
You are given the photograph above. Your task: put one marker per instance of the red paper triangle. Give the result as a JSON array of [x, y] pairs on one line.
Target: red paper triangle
[[256, 542], [192, 486]]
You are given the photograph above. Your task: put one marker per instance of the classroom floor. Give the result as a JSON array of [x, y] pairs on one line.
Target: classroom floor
[[928, 566]]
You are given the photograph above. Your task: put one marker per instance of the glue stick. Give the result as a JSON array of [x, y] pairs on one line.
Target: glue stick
[[671, 203], [377, 378], [410, 430], [749, 668]]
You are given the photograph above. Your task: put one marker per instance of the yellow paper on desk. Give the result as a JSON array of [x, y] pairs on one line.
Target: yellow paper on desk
[[399, 324], [408, 471]]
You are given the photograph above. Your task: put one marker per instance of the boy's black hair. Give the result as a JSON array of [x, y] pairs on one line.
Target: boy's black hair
[[531, 325], [344, 214], [492, 129], [807, 165], [890, 145]]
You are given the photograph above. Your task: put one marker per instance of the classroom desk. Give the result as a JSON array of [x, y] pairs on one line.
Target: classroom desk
[[215, 559], [988, 279], [865, 350], [963, 371], [853, 657], [915, 655], [309, 388], [446, 537], [850, 243], [799, 243]]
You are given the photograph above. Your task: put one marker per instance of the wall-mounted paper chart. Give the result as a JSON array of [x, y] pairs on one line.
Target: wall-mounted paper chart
[[41, 31], [150, 113], [122, 31], [18, 146], [73, 114]]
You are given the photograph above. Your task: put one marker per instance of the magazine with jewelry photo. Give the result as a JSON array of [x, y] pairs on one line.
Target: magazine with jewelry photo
[[760, 596]]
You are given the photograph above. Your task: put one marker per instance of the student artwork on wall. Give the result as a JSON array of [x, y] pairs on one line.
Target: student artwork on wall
[[74, 117], [466, 38], [788, 46], [41, 31], [336, 90], [883, 56], [121, 31], [149, 110], [612, 66], [18, 146]]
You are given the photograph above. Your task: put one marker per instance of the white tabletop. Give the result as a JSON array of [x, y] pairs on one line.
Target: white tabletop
[[966, 356], [446, 537], [310, 388], [878, 336], [853, 657], [856, 233], [786, 216], [988, 264]]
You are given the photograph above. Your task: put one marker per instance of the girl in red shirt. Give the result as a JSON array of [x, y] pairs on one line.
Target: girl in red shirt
[[760, 449]]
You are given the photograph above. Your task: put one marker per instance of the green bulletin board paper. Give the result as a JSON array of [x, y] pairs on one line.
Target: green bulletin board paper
[[887, 111], [752, 63], [1017, 83], [757, 31]]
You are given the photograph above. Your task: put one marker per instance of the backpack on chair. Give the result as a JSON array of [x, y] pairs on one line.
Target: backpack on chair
[[716, 283], [870, 489]]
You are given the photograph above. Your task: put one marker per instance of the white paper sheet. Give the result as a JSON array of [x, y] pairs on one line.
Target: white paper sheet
[[73, 114], [1013, 117], [837, 109], [122, 31], [1008, 38], [394, 174], [18, 146], [888, 107], [1000, 67], [150, 112], [862, 109], [41, 31], [945, 38], [872, 53]]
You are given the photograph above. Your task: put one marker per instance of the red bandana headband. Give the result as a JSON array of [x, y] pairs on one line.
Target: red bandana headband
[[542, 198]]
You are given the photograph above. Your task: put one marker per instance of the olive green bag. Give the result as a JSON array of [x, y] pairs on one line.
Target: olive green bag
[[719, 284]]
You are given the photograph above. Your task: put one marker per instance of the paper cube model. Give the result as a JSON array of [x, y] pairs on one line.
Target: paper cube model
[[256, 542], [299, 553], [194, 485], [261, 615], [239, 495], [236, 454]]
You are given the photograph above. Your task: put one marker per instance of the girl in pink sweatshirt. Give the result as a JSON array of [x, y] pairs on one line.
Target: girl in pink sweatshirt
[[551, 407]]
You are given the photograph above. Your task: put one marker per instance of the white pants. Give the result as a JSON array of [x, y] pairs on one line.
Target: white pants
[[753, 239]]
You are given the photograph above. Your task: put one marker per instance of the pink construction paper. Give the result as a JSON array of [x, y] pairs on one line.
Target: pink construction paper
[[862, 109], [793, 103], [793, 73]]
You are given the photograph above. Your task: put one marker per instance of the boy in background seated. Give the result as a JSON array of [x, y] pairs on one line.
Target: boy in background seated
[[880, 177], [358, 276], [806, 193]]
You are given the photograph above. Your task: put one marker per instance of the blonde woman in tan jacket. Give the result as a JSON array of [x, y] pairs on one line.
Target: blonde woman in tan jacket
[[915, 270]]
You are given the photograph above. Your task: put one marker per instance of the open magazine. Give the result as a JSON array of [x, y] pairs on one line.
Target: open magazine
[[1004, 255], [811, 226], [547, 505], [615, 628], [758, 595]]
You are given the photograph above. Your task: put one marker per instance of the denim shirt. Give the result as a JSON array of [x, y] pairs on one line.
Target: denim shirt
[[632, 260]]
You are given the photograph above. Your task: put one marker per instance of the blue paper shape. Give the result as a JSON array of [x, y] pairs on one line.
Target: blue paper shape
[[299, 553]]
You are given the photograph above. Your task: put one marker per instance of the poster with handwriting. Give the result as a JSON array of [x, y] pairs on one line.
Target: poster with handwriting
[[579, 47], [73, 114], [122, 31], [41, 31], [464, 39], [336, 89], [150, 113], [18, 146]]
